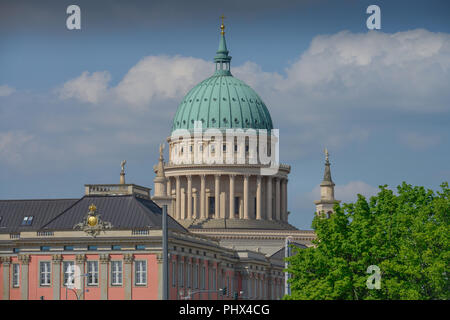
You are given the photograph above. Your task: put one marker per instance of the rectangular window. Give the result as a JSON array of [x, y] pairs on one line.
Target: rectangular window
[[140, 274], [16, 250], [236, 205], [116, 273], [174, 275], [68, 248], [140, 247], [212, 205], [196, 277], [44, 273], [45, 248], [16, 275], [188, 275], [92, 279], [27, 220], [224, 147], [180, 274], [69, 272], [202, 278], [116, 247]]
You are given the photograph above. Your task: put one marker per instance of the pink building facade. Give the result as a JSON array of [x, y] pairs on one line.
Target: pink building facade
[[52, 258]]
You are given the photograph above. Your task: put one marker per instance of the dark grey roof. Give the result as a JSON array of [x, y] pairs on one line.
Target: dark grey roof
[[279, 255], [12, 213], [123, 212]]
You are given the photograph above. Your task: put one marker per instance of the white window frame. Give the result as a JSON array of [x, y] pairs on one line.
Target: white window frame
[[196, 276], [16, 275], [140, 272], [68, 271], [202, 278], [174, 274], [45, 273], [181, 274], [188, 275], [92, 273], [214, 279], [116, 273]]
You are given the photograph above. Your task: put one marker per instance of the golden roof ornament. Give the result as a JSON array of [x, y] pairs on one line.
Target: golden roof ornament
[[92, 224], [222, 26]]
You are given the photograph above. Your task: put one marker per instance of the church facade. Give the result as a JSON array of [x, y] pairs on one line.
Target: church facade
[[227, 198]]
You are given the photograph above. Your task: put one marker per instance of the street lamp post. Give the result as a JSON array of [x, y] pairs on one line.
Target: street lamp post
[[287, 253], [165, 254]]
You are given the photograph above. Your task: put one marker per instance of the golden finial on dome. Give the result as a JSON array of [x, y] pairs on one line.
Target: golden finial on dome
[[222, 26], [92, 208]]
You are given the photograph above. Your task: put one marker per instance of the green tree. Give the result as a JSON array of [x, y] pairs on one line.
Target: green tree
[[405, 234]]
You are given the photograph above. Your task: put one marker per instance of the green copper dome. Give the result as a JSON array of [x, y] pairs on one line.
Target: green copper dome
[[222, 101]]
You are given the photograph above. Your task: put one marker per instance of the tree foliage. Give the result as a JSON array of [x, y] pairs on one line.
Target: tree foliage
[[405, 234]]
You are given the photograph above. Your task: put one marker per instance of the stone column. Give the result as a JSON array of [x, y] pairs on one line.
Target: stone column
[[6, 261], [232, 176], [169, 187], [24, 261], [189, 196], [202, 196], [277, 199], [80, 260], [246, 177], [104, 276], [217, 196], [269, 198], [56, 275], [284, 215], [258, 197], [195, 214], [178, 198], [128, 274]]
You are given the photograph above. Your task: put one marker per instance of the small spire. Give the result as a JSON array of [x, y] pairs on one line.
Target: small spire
[[327, 175], [222, 59]]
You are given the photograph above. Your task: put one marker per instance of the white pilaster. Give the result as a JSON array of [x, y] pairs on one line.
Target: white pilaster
[[269, 198], [246, 178]]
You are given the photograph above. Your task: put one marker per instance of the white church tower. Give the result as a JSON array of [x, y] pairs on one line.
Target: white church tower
[[327, 200]]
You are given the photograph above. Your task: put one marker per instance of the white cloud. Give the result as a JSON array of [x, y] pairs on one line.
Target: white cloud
[[6, 90], [417, 141], [87, 87], [12, 146], [404, 70], [313, 103], [161, 77]]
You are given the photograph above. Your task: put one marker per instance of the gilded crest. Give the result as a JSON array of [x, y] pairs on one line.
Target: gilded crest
[[92, 223]]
